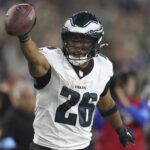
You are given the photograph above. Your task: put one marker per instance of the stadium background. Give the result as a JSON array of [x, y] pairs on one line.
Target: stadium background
[[126, 26]]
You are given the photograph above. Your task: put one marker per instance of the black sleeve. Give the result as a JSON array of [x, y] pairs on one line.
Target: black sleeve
[[106, 89], [41, 82]]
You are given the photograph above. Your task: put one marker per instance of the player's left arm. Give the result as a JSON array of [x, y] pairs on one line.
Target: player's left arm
[[109, 111]]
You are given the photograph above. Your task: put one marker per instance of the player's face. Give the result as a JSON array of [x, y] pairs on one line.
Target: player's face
[[80, 46]]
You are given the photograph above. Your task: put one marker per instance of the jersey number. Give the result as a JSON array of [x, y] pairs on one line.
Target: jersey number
[[85, 109]]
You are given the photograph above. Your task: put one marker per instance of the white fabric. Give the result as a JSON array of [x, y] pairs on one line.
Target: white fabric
[[62, 136], [92, 26], [76, 61]]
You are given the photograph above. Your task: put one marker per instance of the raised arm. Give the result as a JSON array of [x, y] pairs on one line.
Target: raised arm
[[38, 64], [19, 21]]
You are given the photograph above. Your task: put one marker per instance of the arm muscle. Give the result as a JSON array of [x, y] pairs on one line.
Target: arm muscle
[[38, 64], [105, 104]]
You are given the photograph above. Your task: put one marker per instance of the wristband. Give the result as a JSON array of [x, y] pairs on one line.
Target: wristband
[[109, 112], [24, 38]]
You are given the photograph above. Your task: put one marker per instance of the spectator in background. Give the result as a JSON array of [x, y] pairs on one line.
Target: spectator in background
[[136, 107], [5, 103], [19, 119], [134, 112]]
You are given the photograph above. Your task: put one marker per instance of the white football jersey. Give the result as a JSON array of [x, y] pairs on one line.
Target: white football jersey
[[65, 106]]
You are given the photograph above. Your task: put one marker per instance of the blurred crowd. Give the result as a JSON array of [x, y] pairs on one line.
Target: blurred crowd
[[126, 25]]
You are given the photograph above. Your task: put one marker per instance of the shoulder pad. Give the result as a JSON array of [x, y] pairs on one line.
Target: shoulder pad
[[103, 58], [106, 63]]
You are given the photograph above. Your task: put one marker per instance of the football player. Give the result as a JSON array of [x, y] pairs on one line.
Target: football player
[[70, 82]]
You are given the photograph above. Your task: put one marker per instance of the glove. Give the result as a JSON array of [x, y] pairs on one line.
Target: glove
[[125, 136]]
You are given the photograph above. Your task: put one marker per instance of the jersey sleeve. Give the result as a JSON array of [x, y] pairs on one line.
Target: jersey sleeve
[[109, 68], [41, 82], [47, 52], [52, 54], [107, 73], [106, 89]]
